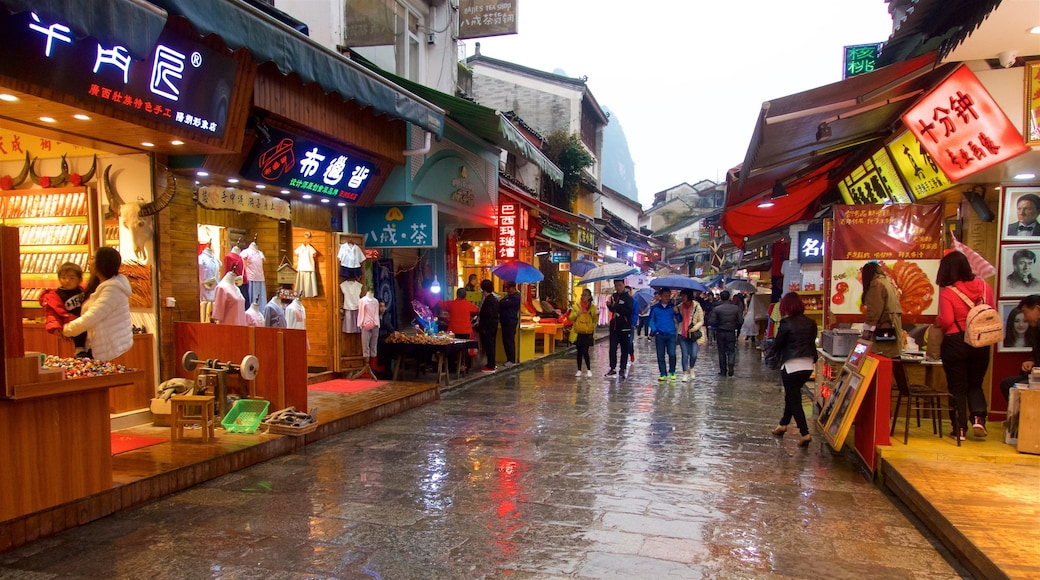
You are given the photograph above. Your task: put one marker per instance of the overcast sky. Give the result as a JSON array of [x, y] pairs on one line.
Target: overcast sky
[[687, 78]]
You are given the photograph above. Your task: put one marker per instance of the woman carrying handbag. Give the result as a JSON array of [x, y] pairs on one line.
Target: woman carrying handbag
[[691, 333]]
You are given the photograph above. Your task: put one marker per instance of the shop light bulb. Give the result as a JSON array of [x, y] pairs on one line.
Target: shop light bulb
[[436, 286]]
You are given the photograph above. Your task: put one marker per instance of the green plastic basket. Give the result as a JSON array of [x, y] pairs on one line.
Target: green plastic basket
[[245, 416]]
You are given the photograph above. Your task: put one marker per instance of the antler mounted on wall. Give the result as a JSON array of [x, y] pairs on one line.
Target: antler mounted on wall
[[46, 180], [8, 182], [132, 214], [75, 178]]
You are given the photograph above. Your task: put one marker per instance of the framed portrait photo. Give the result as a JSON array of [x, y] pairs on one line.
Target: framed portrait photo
[[1016, 339], [1019, 210], [1019, 270]]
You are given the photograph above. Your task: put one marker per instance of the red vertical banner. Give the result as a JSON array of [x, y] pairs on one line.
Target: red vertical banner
[[451, 257], [905, 239], [962, 127]]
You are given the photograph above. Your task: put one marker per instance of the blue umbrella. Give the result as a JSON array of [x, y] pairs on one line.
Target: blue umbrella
[[678, 282], [581, 267], [519, 272], [644, 296]]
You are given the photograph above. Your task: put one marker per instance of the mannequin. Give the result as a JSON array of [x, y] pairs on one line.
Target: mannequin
[[306, 279], [254, 259], [350, 258], [274, 311], [351, 294], [253, 316], [368, 322], [228, 304], [209, 269], [296, 317]]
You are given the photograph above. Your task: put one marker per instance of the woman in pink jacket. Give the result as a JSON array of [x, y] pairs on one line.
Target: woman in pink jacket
[[965, 365]]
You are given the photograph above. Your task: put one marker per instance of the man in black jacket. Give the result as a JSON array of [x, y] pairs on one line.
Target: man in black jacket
[[509, 314], [621, 305], [726, 318], [487, 325]]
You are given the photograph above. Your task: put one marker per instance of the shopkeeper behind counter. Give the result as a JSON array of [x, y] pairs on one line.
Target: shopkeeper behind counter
[[106, 310]]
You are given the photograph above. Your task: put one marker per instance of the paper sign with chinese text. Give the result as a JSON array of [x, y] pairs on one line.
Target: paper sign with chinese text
[[905, 239], [917, 168], [398, 226], [875, 181], [962, 128]]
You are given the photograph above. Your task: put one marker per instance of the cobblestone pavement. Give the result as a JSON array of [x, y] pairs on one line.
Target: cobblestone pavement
[[529, 474]]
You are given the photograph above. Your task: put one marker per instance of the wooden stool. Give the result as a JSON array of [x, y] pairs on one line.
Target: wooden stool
[[181, 415]]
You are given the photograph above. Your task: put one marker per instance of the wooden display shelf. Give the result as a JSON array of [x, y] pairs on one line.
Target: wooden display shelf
[[812, 312], [45, 221], [55, 249], [810, 292]]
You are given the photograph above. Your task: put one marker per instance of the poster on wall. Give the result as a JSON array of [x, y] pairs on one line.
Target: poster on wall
[[1018, 270], [1019, 209], [1016, 339], [905, 239]]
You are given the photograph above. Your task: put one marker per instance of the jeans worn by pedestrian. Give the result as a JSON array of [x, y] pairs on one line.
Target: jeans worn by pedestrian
[[689, 350], [665, 342]]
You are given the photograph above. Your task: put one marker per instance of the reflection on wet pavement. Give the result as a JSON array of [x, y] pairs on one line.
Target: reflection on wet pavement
[[533, 474]]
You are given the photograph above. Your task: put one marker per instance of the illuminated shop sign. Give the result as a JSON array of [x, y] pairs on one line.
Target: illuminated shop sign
[[875, 181], [810, 247], [962, 128], [398, 226], [560, 256], [920, 172], [290, 161], [511, 229], [860, 59], [182, 84]]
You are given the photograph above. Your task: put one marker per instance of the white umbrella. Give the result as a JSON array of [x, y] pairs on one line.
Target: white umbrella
[[614, 271], [740, 285]]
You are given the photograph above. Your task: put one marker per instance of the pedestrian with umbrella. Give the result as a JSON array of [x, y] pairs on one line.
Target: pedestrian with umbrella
[[664, 317], [583, 314], [691, 333], [726, 318], [621, 305]]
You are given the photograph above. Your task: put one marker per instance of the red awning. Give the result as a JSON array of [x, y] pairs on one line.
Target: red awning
[[801, 203]]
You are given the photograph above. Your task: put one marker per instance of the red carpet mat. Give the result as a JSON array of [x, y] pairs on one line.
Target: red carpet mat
[[346, 385], [122, 442]]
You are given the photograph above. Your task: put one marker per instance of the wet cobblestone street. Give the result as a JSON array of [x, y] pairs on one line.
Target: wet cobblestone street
[[530, 473]]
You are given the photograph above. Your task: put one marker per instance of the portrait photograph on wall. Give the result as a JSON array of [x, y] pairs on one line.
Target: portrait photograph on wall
[[1018, 270], [1016, 339], [1019, 209]]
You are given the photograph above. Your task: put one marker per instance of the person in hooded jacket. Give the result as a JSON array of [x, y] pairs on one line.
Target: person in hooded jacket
[[965, 365], [106, 310]]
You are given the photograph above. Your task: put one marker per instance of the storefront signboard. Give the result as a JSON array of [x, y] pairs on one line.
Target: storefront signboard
[[917, 168], [287, 160], [183, 83], [586, 237], [905, 239], [962, 127], [398, 226], [479, 18], [860, 59], [560, 256], [215, 197], [810, 247], [874, 181], [511, 231]]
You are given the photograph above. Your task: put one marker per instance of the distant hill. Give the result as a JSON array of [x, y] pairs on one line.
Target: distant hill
[[619, 171]]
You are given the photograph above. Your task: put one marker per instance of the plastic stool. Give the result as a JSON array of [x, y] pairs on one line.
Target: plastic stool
[[181, 407]]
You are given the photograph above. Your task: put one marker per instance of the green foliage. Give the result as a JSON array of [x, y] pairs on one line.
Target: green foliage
[[567, 152]]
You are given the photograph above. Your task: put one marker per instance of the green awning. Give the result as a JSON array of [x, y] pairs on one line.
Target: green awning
[[485, 122], [242, 26], [133, 24]]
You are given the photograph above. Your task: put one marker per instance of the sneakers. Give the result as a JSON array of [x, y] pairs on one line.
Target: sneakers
[[508, 364], [632, 357], [955, 436], [487, 370], [578, 374], [979, 428], [588, 373], [671, 377], [662, 378], [611, 373]]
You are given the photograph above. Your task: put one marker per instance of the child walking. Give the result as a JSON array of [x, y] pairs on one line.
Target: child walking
[[63, 304]]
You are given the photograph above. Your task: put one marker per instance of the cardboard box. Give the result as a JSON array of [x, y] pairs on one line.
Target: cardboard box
[[161, 411]]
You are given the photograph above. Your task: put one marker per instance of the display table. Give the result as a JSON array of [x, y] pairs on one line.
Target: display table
[[550, 333], [524, 344], [398, 351]]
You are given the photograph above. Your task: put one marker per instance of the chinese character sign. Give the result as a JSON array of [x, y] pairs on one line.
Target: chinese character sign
[[810, 247], [905, 239], [875, 181], [230, 198], [291, 161], [183, 83], [478, 18], [916, 166], [962, 128], [860, 59], [507, 231], [398, 226]]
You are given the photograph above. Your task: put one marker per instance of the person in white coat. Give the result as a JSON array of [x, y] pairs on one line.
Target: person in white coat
[[105, 315]]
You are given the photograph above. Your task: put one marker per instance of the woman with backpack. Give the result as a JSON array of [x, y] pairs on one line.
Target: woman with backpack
[[584, 317], [965, 365]]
